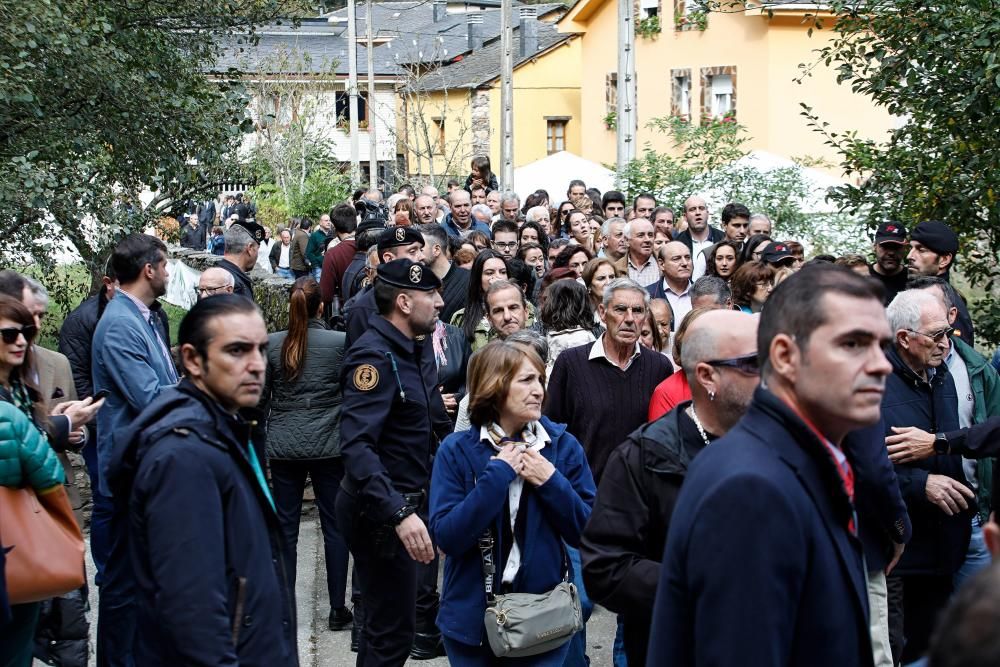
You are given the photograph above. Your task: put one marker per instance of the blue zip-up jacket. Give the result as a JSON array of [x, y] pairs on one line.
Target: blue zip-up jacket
[[468, 494], [205, 541]]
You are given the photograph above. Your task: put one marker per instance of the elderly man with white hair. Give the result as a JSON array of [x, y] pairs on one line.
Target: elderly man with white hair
[[637, 262], [481, 213], [540, 216], [615, 243], [215, 280], [921, 393]]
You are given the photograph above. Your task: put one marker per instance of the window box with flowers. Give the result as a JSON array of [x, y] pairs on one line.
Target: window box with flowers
[[690, 14], [648, 27], [692, 21]]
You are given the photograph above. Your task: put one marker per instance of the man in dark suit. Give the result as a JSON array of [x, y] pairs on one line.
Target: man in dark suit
[[763, 564], [698, 236]]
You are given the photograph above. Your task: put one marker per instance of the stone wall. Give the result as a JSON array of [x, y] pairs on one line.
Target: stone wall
[[481, 129], [269, 291]]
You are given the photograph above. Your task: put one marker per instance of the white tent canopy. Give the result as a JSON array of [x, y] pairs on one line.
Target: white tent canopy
[[554, 172]]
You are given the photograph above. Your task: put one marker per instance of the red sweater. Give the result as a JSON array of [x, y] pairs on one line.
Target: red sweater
[[335, 262]]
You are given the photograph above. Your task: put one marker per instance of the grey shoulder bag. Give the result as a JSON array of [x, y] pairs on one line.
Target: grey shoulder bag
[[523, 624]]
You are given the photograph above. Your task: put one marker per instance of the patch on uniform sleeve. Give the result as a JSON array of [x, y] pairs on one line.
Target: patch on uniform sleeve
[[366, 377]]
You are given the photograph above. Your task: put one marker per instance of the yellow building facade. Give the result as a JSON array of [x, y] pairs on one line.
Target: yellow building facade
[[747, 62], [455, 112]]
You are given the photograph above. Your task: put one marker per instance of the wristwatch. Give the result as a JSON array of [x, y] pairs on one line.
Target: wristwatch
[[941, 444], [404, 511]]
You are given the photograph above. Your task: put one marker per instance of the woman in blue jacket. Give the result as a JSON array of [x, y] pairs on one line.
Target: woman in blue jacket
[[517, 475]]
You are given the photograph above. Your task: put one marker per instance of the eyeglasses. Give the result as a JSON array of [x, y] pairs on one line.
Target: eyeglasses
[[205, 291], [937, 336], [10, 334], [505, 244], [749, 365]]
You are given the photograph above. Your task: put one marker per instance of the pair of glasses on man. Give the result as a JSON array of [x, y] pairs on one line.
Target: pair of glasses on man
[[936, 336], [10, 334], [749, 365]]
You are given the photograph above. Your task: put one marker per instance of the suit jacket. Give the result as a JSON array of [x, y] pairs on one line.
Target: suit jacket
[[55, 382], [128, 361], [714, 235], [297, 258], [760, 566]]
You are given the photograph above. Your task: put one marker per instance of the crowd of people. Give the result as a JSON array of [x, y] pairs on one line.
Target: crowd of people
[[748, 456]]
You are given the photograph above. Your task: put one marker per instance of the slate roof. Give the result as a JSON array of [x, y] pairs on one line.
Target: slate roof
[[415, 39], [483, 65], [324, 44]]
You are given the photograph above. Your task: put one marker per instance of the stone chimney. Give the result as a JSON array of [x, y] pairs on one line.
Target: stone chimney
[[475, 22], [528, 31], [440, 8]]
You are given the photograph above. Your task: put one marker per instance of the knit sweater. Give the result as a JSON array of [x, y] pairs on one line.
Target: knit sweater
[[600, 403]]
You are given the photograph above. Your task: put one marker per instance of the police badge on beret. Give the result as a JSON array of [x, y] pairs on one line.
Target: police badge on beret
[[416, 273], [400, 233]]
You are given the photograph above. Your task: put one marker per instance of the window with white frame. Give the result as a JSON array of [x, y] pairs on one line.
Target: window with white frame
[[721, 95], [555, 134], [681, 93], [649, 8]]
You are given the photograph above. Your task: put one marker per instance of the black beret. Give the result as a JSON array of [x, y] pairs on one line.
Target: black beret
[[393, 237], [890, 232], [407, 274], [937, 236], [256, 231]]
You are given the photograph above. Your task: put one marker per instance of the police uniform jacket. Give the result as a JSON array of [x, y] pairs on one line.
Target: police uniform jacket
[[391, 420]]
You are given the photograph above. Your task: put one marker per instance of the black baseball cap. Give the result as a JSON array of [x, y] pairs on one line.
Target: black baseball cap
[[407, 274], [890, 232], [393, 237], [776, 252]]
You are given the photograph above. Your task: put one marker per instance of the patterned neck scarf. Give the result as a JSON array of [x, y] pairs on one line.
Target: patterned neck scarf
[[532, 437], [22, 401]]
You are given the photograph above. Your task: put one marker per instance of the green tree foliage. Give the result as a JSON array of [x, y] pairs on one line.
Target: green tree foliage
[[704, 159], [292, 157], [937, 68], [101, 98]]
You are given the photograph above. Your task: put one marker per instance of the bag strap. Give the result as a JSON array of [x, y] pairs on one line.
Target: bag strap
[[486, 557], [486, 543]]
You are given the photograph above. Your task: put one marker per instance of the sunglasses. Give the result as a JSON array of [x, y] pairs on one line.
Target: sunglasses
[[937, 336], [748, 365], [10, 334]]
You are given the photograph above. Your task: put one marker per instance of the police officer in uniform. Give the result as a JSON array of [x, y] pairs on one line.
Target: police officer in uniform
[[390, 427], [393, 243]]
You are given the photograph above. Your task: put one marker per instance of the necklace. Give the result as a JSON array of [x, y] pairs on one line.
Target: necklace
[[697, 422]]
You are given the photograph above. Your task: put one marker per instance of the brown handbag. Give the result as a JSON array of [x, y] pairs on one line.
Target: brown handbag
[[44, 542]]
